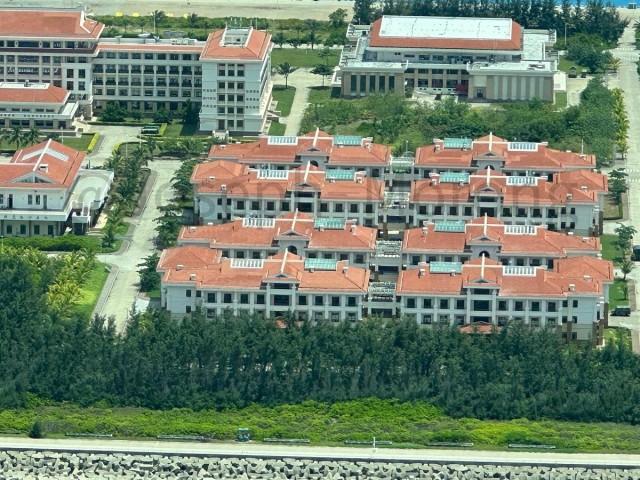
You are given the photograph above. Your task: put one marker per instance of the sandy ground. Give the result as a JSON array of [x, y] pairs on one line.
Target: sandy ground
[[317, 9]]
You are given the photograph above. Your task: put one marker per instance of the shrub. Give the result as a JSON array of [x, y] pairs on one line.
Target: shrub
[[65, 243], [36, 430], [93, 142]]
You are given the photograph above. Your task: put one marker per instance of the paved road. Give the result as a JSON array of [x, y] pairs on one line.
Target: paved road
[[111, 136], [627, 79], [324, 453], [303, 80], [121, 290], [317, 9]]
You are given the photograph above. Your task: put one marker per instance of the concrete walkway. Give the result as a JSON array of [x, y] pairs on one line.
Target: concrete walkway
[[303, 80], [111, 136], [121, 289]]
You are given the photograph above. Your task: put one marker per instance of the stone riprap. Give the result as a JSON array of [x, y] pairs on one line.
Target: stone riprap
[[45, 465]]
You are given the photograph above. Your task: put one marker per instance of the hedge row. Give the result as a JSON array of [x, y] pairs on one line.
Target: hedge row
[[65, 243]]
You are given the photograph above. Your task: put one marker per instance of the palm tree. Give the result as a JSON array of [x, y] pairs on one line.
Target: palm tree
[[192, 19], [285, 69], [158, 16], [16, 137], [32, 136]]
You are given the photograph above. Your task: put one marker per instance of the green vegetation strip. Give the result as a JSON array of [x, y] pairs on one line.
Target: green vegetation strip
[[284, 97], [411, 424], [90, 290], [303, 57]]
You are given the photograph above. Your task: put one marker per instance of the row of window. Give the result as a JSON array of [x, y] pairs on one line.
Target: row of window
[[134, 92], [316, 316], [428, 319], [279, 300], [22, 229], [484, 305], [150, 69], [380, 85], [44, 44], [506, 211], [285, 205], [150, 56]]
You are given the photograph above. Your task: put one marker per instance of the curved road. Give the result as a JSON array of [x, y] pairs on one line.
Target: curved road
[[325, 453]]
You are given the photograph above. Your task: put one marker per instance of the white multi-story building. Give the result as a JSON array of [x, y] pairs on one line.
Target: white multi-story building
[[572, 201], [322, 150], [36, 105], [572, 296], [299, 233], [224, 190], [509, 158], [44, 191], [63, 47], [312, 289], [517, 245], [55, 46], [236, 80], [481, 58]]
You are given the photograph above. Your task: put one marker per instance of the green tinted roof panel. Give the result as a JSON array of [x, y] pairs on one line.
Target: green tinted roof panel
[[450, 226], [329, 223], [454, 177], [340, 174], [319, 264], [458, 143], [445, 267], [347, 140]]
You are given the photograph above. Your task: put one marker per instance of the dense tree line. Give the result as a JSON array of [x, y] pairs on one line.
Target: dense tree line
[[597, 125], [163, 363], [595, 17]]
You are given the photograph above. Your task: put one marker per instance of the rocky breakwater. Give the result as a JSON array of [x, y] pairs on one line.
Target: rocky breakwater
[[58, 465]]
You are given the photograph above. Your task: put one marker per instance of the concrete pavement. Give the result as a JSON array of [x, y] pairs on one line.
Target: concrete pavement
[[627, 79], [303, 80], [252, 450], [111, 136], [121, 290]]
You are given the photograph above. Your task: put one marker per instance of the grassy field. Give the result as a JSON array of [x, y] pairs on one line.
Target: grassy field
[[284, 97], [406, 424], [618, 294], [610, 249], [277, 128], [179, 129], [303, 57], [565, 65], [561, 99], [91, 290], [79, 143], [612, 210]]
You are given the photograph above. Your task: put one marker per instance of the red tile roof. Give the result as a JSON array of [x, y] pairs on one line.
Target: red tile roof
[[54, 164], [543, 158], [289, 225], [224, 274], [579, 275], [491, 231], [256, 46], [32, 93], [241, 181], [581, 186], [190, 256], [44, 24], [513, 43], [311, 144]]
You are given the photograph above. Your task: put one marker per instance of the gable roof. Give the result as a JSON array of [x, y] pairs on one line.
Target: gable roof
[[53, 23], [539, 157], [48, 164], [14, 92]]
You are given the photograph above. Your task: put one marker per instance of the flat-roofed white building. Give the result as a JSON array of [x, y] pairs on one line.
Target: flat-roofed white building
[[63, 47], [482, 58], [236, 83], [36, 105], [44, 190]]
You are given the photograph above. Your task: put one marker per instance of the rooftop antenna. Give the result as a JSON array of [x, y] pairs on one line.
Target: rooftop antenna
[[488, 176], [482, 268], [582, 146], [315, 138], [484, 229], [490, 141]]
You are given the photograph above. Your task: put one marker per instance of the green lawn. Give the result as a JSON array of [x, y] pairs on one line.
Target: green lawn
[[178, 129], [277, 128], [406, 424], [612, 210], [79, 143], [561, 99], [284, 97], [91, 289], [618, 294], [565, 65], [303, 57], [319, 94], [610, 249]]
